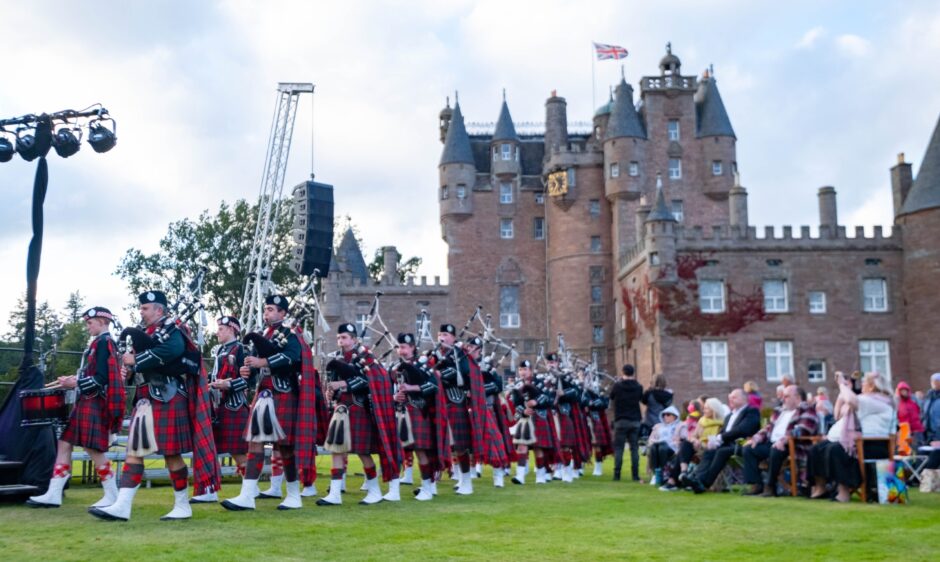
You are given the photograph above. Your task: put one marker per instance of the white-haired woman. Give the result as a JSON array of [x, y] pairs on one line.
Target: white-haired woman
[[868, 414]]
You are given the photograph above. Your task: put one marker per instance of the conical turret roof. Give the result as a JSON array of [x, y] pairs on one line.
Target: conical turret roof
[[457, 147], [624, 120], [351, 254], [505, 130], [710, 110], [925, 193], [660, 210]]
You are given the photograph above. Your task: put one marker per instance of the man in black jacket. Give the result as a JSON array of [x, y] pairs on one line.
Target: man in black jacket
[[741, 423], [625, 398]]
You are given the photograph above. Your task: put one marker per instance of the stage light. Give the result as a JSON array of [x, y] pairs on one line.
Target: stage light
[[26, 144], [7, 150], [101, 138], [66, 142]]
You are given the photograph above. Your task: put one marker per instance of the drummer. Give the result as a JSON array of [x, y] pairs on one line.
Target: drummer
[[97, 415]]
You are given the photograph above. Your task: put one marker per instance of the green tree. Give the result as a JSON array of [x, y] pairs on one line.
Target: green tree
[[222, 242], [407, 268], [48, 324], [74, 307]]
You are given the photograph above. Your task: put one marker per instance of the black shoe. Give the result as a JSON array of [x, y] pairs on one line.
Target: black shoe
[[616, 476], [322, 502], [769, 493], [31, 503], [234, 507], [696, 485], [756, 490], [516, 480], [104, 515]]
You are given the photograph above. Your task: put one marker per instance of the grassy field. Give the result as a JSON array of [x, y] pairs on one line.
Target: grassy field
[[593, 518]]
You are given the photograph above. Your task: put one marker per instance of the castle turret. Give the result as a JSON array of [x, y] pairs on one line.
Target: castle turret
[[457, 169], [390, 257], [737, 204], [504, 146], [902, 178], [718, 149], [920, 228], [661, 238], [624, 147], [556, 123], [828, 215]]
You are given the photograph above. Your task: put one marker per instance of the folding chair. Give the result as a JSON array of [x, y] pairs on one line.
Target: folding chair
[[860, 448], [794, 472]]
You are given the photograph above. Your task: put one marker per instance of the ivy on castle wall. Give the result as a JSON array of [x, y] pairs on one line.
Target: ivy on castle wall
[[677, 305]]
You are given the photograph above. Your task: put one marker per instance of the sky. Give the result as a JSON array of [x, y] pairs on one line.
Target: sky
[[819, 93]]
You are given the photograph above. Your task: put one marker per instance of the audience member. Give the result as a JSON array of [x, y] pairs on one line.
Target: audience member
[[742, 422], [662, 445], [625, 396], [656, 399], [823, 408], [754, 399], [909, 412], [930, 414]]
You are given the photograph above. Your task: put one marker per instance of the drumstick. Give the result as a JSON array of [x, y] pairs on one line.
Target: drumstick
[[53, 384]]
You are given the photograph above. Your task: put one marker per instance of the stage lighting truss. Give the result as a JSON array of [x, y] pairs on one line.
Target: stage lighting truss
[[18, 135]]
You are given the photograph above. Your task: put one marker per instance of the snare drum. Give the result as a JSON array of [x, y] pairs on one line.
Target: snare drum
[[44, 406]]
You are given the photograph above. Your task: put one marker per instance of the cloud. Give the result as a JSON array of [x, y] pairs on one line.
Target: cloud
[[853, 45], [809, 39]]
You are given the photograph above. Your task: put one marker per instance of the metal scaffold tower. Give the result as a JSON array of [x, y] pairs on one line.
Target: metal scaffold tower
[[258, 283]]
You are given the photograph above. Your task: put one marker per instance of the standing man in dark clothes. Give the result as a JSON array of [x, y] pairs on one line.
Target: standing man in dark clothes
[[625, 398]]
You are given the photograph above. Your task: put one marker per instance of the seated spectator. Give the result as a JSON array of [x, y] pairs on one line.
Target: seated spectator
[[702, 423], [909, 412], [778, 401], [661, 447], [742, 422], [823, 409], [754, 399], [930, 413], [834, 458], [656, 399], [795, 419]]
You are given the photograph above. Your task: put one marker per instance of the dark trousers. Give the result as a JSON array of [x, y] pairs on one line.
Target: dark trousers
[[713, 460], [753, 457], [933, 461], [830, 461], [659, 455], [624, 431], [683, 455]]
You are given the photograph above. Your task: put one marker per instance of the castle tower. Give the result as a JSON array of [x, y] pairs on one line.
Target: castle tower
[[661, 238], [504, 147], [625, 157], [457, 170], [919, 219], [718, 146]]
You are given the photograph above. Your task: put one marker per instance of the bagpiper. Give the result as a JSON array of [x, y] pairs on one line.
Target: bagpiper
[[533, 429], [97, 415], [495, 449], [595, 407]]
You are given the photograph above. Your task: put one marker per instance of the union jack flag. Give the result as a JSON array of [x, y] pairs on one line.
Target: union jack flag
[[608, 52]]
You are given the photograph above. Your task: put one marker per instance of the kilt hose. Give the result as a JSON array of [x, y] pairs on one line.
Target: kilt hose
[[544, 431], [285, 409], [229, 431], [171, 424], [89, 423], [568, 437], [461, 431], [364, 435], [421, 428]]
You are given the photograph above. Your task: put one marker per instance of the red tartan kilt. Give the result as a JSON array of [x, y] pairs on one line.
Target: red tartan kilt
[[170, 423], [496, 454], [364, 436], [421, 428], [568, 434], [89, 424], [461, 430], [544, 431], [601, 430], [229, 431]]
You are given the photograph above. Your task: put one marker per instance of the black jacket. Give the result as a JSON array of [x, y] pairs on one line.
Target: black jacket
[[746, 425], [625, 397]]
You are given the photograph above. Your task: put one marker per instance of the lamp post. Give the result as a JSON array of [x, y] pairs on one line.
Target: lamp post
[[32, 138]]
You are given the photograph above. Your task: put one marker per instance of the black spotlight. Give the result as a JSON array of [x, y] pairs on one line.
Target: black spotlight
[[26, 144], [6, 149], [66, 142], [101, 138]]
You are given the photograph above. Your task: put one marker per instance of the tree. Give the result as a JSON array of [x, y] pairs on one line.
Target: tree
[[74, 307], [48, 323], [406, 269], [222, 242]]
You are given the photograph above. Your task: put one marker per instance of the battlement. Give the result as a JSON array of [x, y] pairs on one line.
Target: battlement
[[347, 282]]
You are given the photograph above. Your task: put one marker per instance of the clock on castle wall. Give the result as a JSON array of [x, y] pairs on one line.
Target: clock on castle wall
[[557, 184]]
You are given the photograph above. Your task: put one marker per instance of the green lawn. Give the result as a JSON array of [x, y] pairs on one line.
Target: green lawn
[[593, 518]]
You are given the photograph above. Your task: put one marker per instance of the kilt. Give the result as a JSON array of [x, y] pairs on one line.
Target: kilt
[[495, 448], [601, 433], [567, 435], [89, 424], [285, 408], [422, 429], [229, 431], [461, 432], [171, 423], [364, 435], [544, 431]]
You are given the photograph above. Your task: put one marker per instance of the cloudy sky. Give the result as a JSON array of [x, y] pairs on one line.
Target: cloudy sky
[[818, 93]]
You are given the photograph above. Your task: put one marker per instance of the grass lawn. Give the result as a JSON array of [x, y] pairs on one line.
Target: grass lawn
[[593, 518]]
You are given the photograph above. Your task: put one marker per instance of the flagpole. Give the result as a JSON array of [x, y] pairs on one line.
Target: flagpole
[[593, 82]]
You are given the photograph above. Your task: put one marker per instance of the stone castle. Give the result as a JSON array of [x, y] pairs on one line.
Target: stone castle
[[632, 238]]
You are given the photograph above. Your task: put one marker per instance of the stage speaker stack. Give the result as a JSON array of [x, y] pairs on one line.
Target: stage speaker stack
[[313, 228]]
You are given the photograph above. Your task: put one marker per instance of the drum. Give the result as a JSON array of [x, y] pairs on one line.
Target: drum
[[44, 406]]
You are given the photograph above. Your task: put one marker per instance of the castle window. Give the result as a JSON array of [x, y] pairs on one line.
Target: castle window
[[362, 320], [675, 168], [461, 191], [596, 244], [596, 273], [597, 335], [597, 293], [774, 263], [572, 177], [445, 193], [505, 228], [778, 358], [506, 150], [817, 302], [816, 370], [594, 208], [872, 261], [677, 210], [538, 228], [654, 258], [716, 167], [711, 296], [505, 192], [714, 360], [673, 128], [775, 295], [422, 329], [634, 170], [875, 357], [875, 293], [540, 198], [509, 306], [615, 170]]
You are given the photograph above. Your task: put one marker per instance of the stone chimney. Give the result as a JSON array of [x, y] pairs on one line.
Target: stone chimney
[[737, 204], [828, 216], [902, 178], [390, 258]]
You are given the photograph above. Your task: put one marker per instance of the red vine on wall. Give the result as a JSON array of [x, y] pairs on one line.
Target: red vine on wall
[[678, 306]]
